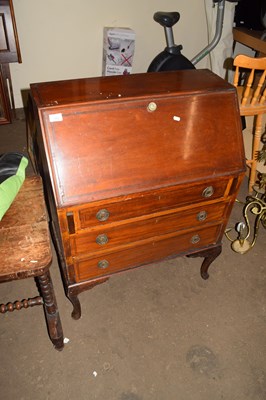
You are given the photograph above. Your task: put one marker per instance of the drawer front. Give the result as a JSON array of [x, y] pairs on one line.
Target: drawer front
[[149, 202], [144, 253], [112, 235]]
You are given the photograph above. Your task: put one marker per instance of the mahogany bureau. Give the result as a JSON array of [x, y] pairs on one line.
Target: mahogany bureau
[[136, 168]]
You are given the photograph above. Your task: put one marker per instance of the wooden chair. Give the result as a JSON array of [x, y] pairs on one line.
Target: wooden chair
[[25, 252], [251, 94]]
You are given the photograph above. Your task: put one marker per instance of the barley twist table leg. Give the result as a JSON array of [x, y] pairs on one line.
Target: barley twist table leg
[[51, 311], [19, 304]]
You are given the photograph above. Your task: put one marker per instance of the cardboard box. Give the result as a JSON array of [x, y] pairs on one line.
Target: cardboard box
[[118, 51]]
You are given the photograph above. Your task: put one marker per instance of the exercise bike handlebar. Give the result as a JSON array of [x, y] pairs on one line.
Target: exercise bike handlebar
[[217, 36]]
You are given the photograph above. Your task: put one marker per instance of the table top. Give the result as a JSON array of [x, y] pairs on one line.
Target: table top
[[25, 248], [250, 38], [121, 88]]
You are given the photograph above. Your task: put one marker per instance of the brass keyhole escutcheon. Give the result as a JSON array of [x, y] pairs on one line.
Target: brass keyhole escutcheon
[[208, 191], [202, 215], [195, 239], [152, 106], [103, 264], [102, 215], [102, 239]]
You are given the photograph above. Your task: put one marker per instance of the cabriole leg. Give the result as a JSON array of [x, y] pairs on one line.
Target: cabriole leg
[[76, 313], [73, 293], [209, 256]]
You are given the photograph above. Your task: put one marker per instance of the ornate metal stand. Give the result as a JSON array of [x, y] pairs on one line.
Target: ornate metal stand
[[255, 205]]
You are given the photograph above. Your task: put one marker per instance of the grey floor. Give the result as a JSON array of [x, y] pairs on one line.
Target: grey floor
[[157, 332]]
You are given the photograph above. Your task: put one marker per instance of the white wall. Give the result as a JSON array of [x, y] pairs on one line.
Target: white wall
[[62, 39]]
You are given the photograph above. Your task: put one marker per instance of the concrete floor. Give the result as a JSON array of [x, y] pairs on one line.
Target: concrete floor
[[158, 332]]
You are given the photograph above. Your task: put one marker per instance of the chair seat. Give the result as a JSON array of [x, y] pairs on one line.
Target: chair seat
[[249, 109], [25, 248]]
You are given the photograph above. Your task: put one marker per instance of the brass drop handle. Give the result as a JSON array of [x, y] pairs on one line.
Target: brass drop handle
[[102, 239], [208, 191], [102, 215], [195, 239], [103, 264], [201, 216]]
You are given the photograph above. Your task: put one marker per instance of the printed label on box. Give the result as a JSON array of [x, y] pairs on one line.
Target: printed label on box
[[118, 51]]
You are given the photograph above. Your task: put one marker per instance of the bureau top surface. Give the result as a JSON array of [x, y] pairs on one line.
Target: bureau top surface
[[102, 139], [119, 88]]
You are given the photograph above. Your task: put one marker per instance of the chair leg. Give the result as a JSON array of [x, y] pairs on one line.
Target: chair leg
[[255, 149], [51, 311]]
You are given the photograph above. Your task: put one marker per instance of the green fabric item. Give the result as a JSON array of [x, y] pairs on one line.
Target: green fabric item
[[11, 186]]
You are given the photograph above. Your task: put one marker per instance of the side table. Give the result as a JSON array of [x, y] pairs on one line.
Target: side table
[[25, 252]]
